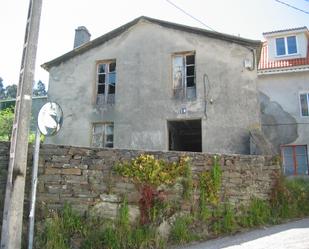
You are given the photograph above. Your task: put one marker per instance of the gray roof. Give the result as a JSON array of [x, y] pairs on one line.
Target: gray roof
[[114, 33]]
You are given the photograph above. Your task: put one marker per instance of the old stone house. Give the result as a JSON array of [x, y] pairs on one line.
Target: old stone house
[[156, 85], [283, 82]]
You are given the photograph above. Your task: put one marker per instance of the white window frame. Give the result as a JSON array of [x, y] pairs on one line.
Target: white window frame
[[103, 134], [299, 101], [286, 46]]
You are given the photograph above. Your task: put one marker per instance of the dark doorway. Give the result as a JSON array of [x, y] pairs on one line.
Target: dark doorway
[[185, 135]]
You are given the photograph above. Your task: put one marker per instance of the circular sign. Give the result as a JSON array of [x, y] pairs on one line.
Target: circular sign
[[50, 119]]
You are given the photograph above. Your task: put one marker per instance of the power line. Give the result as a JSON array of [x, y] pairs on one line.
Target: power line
[[188, 14], [293, 7]]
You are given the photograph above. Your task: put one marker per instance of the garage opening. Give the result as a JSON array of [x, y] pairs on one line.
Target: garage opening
[[185, 135]]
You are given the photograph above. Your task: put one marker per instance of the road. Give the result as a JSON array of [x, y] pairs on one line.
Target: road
[[292, 235]]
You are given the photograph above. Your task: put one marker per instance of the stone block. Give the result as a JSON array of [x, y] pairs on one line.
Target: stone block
[[75, 179], [105, 210], [50, 178], [61, 159], [98, 188], [71, 171], [52, 171], [77, 151], [48, 198], [134, 213], [56, 189], [112, 198]]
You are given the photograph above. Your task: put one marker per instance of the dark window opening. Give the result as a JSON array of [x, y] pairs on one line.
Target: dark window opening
[[106, 83], [184, 84], [185, 135]]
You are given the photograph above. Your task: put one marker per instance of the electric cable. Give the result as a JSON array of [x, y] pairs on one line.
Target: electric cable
[[293, 7], [188, 14]]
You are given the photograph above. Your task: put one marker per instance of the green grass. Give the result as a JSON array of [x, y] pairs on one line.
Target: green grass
[[181, 232]]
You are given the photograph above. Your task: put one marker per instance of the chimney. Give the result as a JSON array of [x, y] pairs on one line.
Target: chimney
[[82, 36]]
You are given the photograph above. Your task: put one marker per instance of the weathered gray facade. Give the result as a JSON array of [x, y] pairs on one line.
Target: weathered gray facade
[[226, 103]]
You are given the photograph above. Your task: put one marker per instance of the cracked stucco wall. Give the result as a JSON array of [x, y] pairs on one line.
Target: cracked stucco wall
[[144, 96]]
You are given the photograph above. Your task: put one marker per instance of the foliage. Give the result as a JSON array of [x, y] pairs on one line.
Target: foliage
[[149, 172], [6, 124], [2, 90], [210, 185], [229, 220], [123, 215], [258, 213], [290, 198], [146, 169], [187, 181], [66, 224], [60, 228], [180, 231], [39, 89], [11, 91]]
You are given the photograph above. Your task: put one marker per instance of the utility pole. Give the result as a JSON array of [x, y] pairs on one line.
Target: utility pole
[[15, 188]]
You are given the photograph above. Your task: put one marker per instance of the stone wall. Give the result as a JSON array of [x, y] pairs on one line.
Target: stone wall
[[84, 177]]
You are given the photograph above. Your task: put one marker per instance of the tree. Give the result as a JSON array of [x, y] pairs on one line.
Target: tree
[[39, 89], [11, 91], [2, 90], [6, 124]]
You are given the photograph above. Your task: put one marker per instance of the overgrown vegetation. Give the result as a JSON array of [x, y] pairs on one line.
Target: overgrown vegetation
[[64, 228], [148, 173], [210, 216], [6, 123], [181, 232]]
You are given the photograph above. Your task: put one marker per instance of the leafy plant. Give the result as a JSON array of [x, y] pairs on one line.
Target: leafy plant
[[146, 169], [6, 123], [210, 185]]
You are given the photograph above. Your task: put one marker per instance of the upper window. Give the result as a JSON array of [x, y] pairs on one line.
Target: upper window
[[304, 104], [184, 75], [286, 45], [295, 160], [106, 82], [103, 135]]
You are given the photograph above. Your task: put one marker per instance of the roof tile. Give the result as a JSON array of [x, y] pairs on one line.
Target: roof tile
[[266, 64]]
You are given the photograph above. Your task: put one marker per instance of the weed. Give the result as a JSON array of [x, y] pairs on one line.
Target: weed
[[258, 213], [187, 181], [228, 222], [180, 231]]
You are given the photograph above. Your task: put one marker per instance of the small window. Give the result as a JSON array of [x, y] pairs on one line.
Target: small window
[[184, 84], [106, 82], [103, 135], [295, 160], [304, 104], [286, 45]]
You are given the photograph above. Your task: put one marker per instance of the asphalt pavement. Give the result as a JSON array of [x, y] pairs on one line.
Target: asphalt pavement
[[292, 235]]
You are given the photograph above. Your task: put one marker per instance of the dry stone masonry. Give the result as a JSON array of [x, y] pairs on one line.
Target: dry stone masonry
[[84, 177]]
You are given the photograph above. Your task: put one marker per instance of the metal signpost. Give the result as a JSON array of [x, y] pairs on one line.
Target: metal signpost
[[50, 120]]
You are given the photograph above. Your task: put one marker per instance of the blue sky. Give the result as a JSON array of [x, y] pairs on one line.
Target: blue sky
[[247, 18]]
